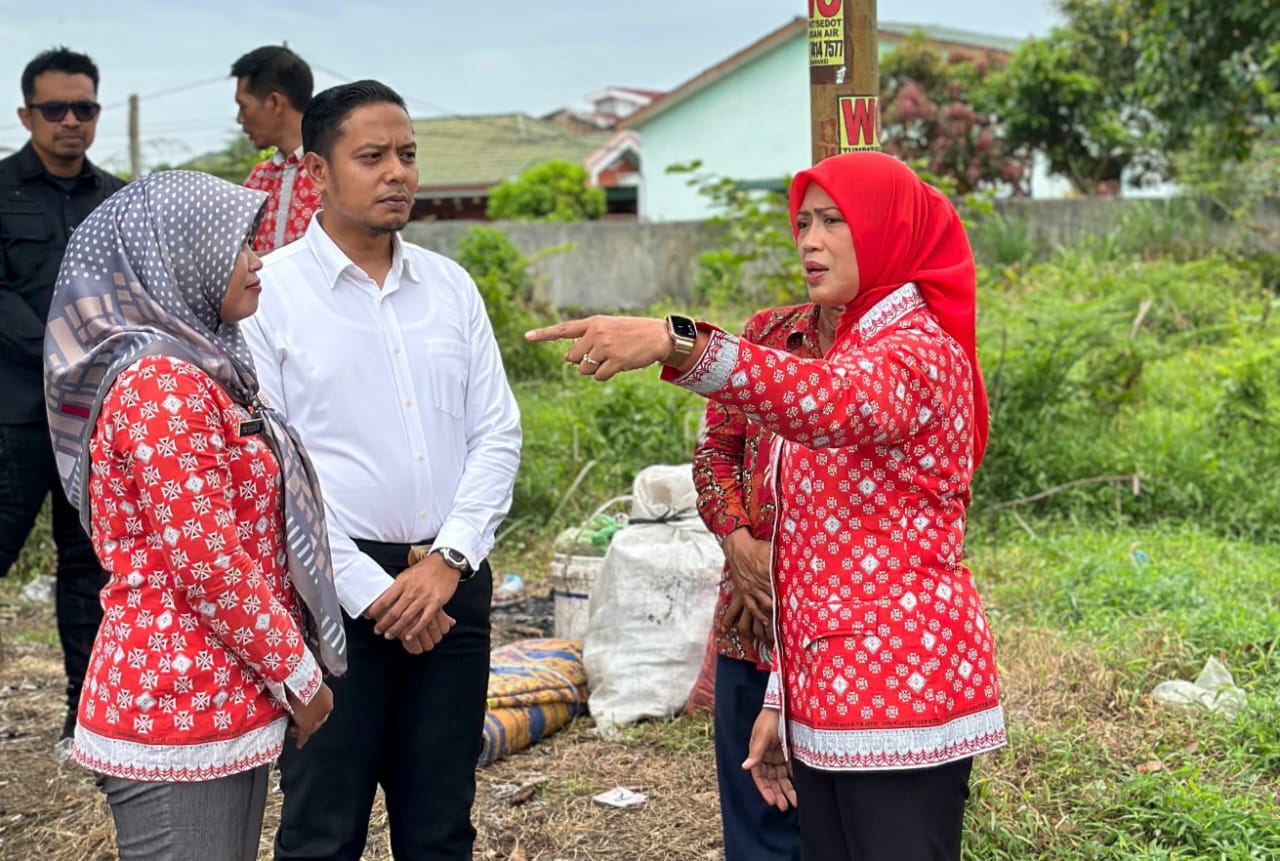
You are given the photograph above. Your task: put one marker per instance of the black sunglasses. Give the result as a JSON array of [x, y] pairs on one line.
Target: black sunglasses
[[53, 112]]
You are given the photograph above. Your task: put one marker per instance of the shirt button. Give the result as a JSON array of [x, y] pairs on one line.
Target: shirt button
[[420, 456], [408, 403], [422, 514], [395, 349]]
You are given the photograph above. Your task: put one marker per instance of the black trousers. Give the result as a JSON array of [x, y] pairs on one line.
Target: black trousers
[[410, 723], [27, 476], [914, 815], [753, 830]]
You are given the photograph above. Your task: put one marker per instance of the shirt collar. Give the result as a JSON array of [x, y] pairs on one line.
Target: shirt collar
[[334, 261], [890, 310], [279, 157], [805, 332], [30, 167]]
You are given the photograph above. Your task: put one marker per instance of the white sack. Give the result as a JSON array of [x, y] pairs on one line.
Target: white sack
[[651, 607]]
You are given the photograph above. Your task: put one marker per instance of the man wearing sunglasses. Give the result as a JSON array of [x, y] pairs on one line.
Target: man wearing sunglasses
[[46, 189]]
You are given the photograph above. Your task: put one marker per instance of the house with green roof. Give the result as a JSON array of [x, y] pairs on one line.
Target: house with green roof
[[461, 158], [747, 117]]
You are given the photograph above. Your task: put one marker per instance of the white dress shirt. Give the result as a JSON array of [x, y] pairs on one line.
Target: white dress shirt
[[398, 394]]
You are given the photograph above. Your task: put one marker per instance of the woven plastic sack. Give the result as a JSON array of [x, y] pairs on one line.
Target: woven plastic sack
[[650, 611]]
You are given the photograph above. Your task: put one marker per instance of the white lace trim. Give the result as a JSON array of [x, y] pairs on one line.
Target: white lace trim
[[773, 691], [890, 310], [304, 681], [178, 763], [711, 372], [894, 748]]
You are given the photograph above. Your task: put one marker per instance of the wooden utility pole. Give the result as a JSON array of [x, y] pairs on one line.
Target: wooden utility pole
[[844, 77], [135, 147]]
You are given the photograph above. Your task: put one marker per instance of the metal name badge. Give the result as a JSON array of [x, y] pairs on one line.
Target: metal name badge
[[249, 427]]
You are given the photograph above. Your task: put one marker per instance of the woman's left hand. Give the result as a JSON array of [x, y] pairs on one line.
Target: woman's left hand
[[605, 346], [768, 763]]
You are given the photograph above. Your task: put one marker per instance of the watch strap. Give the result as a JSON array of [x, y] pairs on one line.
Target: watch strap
[[457, 561]]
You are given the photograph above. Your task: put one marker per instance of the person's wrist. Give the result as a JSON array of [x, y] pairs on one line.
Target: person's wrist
[[455, 561], [732, 539]]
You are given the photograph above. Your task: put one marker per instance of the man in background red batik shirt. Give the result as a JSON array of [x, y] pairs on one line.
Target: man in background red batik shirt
[[273, 86], [731, 469]]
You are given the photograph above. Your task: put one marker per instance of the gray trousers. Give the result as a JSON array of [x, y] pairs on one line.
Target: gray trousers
[[213, 820]]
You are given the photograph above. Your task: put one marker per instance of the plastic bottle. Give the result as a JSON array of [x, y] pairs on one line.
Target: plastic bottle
[[511, 586]]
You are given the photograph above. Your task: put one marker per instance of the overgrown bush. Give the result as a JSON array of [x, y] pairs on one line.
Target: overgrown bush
[[1104, 376], [1174, 229], [756, 261], [584, 442], [501, 274]]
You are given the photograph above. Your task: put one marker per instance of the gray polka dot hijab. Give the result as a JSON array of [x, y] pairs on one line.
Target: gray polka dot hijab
[[145, 274]]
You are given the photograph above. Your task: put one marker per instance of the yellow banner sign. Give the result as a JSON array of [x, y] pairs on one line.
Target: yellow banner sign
[[859, 123], [826, 32]]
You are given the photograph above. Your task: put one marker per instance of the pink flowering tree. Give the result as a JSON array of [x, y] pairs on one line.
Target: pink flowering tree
[[933, 113]]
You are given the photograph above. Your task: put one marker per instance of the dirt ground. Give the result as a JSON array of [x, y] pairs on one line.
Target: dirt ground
[[533, 806]]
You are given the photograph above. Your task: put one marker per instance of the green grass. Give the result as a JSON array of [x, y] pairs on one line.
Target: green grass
[[1096, 768]]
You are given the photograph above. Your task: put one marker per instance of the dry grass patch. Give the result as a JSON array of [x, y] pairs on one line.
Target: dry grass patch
[[533, 806]]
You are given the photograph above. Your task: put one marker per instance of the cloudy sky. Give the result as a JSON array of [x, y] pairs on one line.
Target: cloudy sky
[[455, 57]]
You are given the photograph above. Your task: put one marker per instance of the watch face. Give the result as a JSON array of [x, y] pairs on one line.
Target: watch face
[[683, 327]]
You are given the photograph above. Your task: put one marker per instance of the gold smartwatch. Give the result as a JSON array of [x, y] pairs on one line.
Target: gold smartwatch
[[684, 335]]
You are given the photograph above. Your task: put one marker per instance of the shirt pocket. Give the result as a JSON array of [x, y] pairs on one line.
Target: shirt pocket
[[838, 620], [829, 636], [23, 222], [446, 376]]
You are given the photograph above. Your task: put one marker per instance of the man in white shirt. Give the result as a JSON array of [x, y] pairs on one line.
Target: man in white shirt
[[381, 355]]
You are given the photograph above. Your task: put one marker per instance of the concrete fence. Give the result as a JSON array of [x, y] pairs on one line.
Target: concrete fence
[[631, 265]]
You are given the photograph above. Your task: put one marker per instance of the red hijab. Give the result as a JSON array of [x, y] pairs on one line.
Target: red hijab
[[904, 230]]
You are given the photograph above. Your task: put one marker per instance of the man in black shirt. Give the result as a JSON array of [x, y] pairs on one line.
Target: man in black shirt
[[46, 189]]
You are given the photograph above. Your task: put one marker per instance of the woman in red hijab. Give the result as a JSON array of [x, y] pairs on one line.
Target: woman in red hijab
[[885, 677]]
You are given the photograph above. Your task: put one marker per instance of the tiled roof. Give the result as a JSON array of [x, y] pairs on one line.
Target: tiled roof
[[481, 151], [947, 35]]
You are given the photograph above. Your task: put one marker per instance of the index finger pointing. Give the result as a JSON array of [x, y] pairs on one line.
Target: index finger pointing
[[558, 332]]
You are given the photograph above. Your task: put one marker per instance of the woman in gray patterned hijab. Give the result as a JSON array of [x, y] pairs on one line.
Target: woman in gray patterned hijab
[[182, 709], [145, 274]]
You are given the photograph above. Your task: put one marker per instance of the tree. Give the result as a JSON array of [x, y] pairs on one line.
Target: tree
[[936, 114], [233, 162], [1071, 96], [1211, 68], [551, 191], [1134, 85]]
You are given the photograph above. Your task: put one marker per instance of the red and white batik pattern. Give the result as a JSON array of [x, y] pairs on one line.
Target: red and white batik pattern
[[885, 657], [733, 472], [200, 637], [285, 180]]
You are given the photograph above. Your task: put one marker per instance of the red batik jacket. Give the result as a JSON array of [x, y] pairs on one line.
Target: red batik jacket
[[200, 634], [884, 658]]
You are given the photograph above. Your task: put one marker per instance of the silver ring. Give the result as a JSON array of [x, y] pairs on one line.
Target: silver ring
[[588, 360]]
